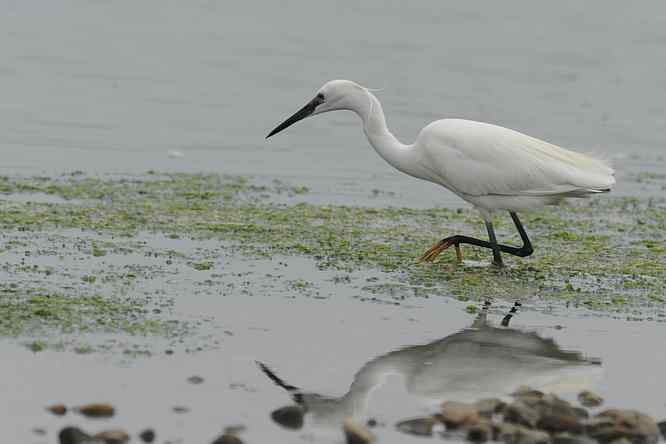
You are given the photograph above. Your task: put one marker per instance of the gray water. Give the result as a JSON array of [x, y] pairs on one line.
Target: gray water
[[191, 86], [131, 86]]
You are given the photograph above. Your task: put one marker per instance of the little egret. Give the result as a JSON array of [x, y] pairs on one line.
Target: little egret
[[491, 167]]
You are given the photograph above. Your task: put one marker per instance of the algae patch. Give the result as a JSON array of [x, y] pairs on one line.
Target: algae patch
[[607, 254]]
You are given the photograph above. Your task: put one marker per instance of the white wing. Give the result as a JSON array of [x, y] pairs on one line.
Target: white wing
[[478, 159]]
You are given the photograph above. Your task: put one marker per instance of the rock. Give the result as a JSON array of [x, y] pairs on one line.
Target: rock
[[521, 413], [589, 399], [614, 424], [147, 436], [228, 438], [490, 406], [515, 434], [554, 413], [180, 409], [417, 426], [290, 417], [356, 433], [560, 423], [581, 413], [97, 410], [195, 380], [57, 409], [234, 429], [117, 436], [565, 438], [458, 414], [527, 392], [662, 428], [73, 435], [481, 432]]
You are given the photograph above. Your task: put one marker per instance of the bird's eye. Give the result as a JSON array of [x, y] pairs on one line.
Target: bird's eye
[[320, 96]]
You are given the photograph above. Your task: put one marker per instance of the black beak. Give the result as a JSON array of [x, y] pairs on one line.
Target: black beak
[[298, 115]]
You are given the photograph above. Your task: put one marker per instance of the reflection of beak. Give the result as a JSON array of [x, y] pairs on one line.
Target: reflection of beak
[[301, 114]]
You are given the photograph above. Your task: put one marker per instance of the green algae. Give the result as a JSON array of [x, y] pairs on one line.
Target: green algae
[[593, 253]]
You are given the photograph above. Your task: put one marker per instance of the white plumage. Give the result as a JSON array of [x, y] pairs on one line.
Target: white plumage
[[492, 167]]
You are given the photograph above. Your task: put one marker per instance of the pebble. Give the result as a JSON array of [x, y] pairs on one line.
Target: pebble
[[195, 379], [227, 438], [481, 432], [527, 392], [417, 426], [73, 435], [180, 409], [590, 399], [489, 406], [613, 424], [117, 436], [662, 427], [458, 414], [514, 434], [356, 433], [97, 410], [57, 409], [290, 417], [565, 438], [560, 423], [147, 436], [521, 413]]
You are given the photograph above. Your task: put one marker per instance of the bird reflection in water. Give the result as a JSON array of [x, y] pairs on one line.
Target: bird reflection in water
[[478, 362]]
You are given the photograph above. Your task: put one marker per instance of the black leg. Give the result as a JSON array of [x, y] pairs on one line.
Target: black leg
[[445, 243], [509, 315], [497, 256]]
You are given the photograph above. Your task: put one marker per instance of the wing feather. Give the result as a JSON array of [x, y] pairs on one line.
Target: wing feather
[[479, 159]]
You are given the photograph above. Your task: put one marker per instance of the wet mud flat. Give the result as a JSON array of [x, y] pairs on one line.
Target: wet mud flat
[[121, 288]]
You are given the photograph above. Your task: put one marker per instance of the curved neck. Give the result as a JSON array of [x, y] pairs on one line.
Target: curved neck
[[397, 154]]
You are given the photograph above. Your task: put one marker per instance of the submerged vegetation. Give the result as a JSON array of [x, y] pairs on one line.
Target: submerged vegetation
[[607, 254]]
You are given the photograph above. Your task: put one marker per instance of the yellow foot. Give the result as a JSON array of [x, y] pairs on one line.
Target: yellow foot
[[437, 248]]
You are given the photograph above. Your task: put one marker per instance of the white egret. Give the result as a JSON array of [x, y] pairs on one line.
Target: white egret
[[491, 167]]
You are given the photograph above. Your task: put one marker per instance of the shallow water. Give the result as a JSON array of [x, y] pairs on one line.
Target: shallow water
[[118, 87], [127, 87]]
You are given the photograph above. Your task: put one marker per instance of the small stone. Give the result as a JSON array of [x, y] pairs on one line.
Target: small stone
[[147, 436], [117, 436], [227, 438], [589, 399], [622, 440], [417, 426], [481, 432], [527, 392], [490, 406], [97, 410], [195, 379], [290, 417], [73, 435], [581, 413], [180, 409], [521, 413], [57, 409], [372, 422], [39, 431], [514, 434], [234, 429], [458, 414], [662, 427], [565, 438], [560, 423], [631, 424], [357, 433]]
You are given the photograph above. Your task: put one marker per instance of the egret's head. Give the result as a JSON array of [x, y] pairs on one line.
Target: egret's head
[[334, 95]]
